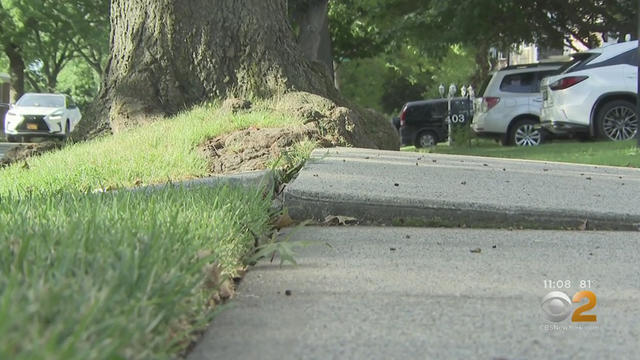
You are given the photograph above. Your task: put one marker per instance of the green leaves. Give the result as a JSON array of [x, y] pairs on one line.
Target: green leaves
[[48, 34]]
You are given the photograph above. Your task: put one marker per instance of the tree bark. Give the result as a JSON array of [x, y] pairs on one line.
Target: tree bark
[[167, 55], [314, 39], [16, 71]]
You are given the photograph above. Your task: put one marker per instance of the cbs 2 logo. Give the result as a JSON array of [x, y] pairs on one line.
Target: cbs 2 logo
[[557, 305]]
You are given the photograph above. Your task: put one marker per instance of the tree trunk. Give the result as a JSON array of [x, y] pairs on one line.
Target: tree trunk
[[314, 39], [16, 71], [167, 55], [484, 66]]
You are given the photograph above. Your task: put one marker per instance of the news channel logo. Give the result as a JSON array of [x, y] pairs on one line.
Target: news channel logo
[[557, 306]]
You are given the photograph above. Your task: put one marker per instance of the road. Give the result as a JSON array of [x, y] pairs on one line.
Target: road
[[408, 293]]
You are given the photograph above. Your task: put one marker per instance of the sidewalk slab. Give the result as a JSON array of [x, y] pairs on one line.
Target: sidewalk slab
[[419, 189], [419, 293]]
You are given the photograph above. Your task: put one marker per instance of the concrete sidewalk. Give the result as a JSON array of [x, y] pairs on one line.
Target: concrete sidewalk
[[407, 293], [404, 188]]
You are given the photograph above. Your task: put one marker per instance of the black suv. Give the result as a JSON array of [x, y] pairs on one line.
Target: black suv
[[424, 123]]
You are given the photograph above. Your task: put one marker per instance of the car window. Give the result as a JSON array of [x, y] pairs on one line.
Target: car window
[[578, 62], [542, 75], [439, 109], [520, 83], [39, 100]]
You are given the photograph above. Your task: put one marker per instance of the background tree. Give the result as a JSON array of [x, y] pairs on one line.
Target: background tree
[[354, 34], [41, 37]]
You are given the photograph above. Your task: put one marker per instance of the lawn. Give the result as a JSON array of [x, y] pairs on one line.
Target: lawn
[[121, 275], [116, 275], [596, 153], [156, 153]]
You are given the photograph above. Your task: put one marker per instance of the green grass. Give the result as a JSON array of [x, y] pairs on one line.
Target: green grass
[[121, 275], [155, 153], [596, 153], [116, 275]]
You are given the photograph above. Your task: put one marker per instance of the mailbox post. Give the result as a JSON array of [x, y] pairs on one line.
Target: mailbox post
[[452, 93]]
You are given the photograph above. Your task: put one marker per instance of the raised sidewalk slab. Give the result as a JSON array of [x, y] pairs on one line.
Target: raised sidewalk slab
[[420, 189]]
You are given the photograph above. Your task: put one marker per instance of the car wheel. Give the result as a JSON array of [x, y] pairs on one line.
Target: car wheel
[[617, 121], [426, 139], [524, 133]]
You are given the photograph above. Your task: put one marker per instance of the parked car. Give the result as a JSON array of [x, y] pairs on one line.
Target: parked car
[[424, 123], [510, 103], [41, 115], [595, 94]]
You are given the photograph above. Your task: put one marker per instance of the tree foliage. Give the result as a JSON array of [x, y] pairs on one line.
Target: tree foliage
[[46, 35]]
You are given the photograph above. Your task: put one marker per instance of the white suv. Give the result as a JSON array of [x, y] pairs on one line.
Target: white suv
[[595, 94], [510, 104]]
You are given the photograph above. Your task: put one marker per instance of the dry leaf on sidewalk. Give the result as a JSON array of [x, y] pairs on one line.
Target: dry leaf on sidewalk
[[339, 220], [283, 221]]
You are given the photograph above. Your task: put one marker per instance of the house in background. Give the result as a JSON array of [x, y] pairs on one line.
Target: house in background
[[531, 53]]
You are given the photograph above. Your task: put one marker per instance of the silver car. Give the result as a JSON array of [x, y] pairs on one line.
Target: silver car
[[510, 103]]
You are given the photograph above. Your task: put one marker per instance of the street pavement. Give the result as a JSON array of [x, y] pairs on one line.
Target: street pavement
[[384, 187], [421, 293]]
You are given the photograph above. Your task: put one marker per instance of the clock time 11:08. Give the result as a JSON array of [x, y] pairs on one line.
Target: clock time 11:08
[[566, 284]]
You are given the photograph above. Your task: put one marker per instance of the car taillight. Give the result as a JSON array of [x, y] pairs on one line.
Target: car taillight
[[403, 116], [567, 82], [489, 103]]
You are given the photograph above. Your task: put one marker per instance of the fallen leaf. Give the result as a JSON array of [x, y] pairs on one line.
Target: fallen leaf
[[339, 220], [476, 251], [392, 249], [283, 221], [584, 226], [287, 292], [138, 182]]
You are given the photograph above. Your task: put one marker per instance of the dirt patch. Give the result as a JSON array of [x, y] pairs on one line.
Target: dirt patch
[[24, 151], [326, 123], [339, 125], [254, 148]]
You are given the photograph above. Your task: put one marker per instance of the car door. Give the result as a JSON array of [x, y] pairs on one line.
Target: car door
[[516, 93], [631, 71]]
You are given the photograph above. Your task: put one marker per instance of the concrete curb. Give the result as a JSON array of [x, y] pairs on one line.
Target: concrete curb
[[262, 178]]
